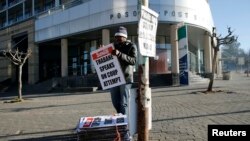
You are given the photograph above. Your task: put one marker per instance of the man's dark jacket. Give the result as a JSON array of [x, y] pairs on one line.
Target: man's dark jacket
[[127, 56]]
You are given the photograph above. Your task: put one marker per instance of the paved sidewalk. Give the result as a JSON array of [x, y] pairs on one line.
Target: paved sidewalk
[[179, 113]]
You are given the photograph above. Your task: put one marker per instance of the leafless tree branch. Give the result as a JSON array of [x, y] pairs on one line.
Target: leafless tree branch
[[18, 58], [216, 42]]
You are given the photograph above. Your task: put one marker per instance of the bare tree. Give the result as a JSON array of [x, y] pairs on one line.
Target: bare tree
[[217, 41], [18, 58], [248, 62]]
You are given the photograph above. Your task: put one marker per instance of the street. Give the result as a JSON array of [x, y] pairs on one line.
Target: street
[[178, 113]]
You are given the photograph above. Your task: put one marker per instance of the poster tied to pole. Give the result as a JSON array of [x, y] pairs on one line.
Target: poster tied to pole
[[107, 67], [147, 28]]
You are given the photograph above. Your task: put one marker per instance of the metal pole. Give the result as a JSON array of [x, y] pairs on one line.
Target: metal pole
[[248, 68], [143, 72], [248, 61]]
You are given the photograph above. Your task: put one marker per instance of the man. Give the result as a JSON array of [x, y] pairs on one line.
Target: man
[[126, 53]]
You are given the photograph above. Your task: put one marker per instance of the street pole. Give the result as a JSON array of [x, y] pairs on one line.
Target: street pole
[[248, 61], [143, 72]]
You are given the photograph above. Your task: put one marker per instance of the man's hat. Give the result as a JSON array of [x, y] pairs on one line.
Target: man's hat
[[122, 31]]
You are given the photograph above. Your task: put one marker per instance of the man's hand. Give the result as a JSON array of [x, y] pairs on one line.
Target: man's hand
[[115, 52]]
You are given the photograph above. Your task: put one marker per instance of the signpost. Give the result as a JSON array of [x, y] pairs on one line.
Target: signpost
[[147, 48], [107, 67]]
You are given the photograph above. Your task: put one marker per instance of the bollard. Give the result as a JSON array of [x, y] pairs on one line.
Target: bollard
[[226, 75]]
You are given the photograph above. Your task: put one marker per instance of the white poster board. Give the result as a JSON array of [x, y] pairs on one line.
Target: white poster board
[[147, 32], [107, 67]]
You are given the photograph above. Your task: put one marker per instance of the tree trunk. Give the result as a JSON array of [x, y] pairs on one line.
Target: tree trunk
[[211, 82], [20, 82]]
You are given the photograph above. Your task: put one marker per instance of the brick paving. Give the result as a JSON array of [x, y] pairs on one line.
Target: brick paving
[[179, 113]]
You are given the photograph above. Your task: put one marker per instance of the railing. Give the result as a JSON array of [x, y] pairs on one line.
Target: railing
[[15, 2], [3, 7], [61, 8], [40, 13]]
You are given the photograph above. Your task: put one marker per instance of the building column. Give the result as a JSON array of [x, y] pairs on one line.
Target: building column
[[33, 7], [207, 55], [11, 69], [219, 64], [33, 61], [64, 57], [105, 37], [198, 57], [23, 10], [57, 3], [92, 48], [7, 17], [175, 55], [5, 69]]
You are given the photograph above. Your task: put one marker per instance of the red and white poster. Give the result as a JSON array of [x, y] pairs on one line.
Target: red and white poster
[[102, 121], [107, 67]]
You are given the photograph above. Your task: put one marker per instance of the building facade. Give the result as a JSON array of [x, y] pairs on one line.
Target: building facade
[[62, 33]]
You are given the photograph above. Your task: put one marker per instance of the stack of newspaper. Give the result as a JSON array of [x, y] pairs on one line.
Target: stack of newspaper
[[103, 128]]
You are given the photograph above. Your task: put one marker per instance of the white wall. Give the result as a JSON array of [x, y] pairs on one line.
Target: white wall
[[99, 13]]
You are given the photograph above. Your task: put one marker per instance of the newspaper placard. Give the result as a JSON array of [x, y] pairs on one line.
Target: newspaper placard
[[102, 121], [147, 32], [107, 67]]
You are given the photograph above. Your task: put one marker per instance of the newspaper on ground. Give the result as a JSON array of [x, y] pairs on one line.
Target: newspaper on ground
[[105, 127]]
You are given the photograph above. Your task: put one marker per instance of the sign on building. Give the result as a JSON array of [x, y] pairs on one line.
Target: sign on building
[[183, 55], [107, 67], [147, 32]]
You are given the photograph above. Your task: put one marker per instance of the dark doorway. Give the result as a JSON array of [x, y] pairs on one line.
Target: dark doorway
[[49, 60]]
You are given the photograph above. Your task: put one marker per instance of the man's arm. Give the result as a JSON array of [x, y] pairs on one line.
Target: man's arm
[[131, 57]]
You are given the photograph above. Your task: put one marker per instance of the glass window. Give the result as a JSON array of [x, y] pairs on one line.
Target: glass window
[[161, 42]]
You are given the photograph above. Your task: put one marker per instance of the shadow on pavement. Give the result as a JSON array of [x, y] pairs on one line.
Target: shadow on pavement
[[49, 106], [65, 135], [68, 137], [198, 116], [7, 96]]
